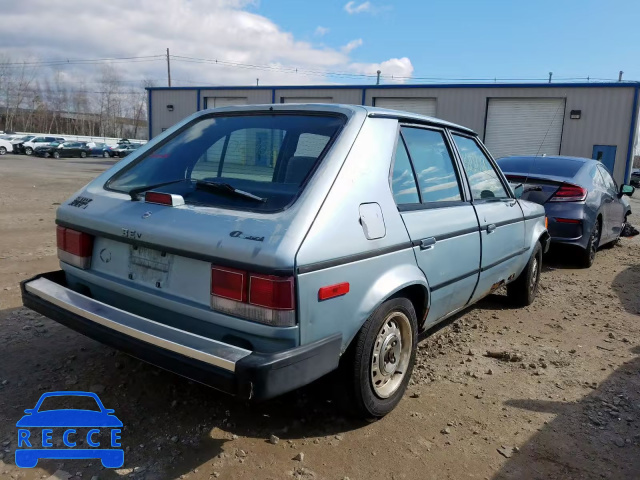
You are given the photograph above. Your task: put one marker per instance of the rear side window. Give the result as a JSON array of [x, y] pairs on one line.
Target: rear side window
[[483, 178], [433, 164], [267, 155], [403, 183]]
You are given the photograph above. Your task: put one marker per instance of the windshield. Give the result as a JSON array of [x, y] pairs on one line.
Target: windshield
[[267, 155]]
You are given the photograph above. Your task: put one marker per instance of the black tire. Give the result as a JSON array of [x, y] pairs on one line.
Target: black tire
[[28, 150], [369, 401], [56, 154], [3, 150], [588, 255], [522, 291], [106, 155], [83, 154]]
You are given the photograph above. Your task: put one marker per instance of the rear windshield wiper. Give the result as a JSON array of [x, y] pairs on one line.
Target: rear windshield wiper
[[137, 191], [225, 187]]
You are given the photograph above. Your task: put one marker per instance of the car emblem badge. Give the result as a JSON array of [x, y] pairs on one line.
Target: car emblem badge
[[146, 214]]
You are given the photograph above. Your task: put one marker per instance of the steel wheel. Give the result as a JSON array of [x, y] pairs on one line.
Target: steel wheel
[[3, 150], [28, 150], [391, 354]]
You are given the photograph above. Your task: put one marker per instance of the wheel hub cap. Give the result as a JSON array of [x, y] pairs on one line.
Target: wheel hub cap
[[391, 354]]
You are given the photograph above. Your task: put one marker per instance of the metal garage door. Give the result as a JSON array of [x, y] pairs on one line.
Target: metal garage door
[[524, 126], [216, 102], [307, 100], [423, 106]]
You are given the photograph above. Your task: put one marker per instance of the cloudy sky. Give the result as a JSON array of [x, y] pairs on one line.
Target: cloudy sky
[[333, 41]]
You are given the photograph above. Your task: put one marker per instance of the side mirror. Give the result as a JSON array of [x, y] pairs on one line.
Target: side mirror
[[518, 190], [627, 190]]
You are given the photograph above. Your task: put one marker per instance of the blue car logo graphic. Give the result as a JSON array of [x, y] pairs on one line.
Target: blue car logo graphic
[[32, 447]]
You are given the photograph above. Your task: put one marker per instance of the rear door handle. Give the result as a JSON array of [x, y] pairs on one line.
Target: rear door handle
[[427, 243], [491, 227]]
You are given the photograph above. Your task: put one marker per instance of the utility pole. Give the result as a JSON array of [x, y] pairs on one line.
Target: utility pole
[[257, 82], [550, 75], [168, 68], [378, 80], [620, 76]]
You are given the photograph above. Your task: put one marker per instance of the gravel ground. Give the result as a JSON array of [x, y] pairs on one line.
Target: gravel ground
[[549, 391]]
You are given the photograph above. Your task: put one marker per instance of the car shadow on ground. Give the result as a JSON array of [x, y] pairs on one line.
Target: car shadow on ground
[[625, 286], [594, 437], [171, 424], [566, 257]]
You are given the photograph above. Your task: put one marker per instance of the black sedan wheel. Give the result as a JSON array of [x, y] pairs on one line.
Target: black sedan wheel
[[589, 253], [83, 154], [106, 154], [56, 154]]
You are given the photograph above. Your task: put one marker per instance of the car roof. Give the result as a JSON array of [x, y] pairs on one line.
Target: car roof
[[373, 112]]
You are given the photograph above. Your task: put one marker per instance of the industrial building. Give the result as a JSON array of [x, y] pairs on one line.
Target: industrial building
[[594, 120]]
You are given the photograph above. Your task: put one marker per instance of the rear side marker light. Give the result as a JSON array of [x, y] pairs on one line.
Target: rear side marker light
[[164, 199], [569, 193], [74, 248], [568, 220], [266, 299], [332, 291]]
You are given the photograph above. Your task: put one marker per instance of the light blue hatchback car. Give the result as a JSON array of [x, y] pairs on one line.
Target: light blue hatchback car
[[257, 248]]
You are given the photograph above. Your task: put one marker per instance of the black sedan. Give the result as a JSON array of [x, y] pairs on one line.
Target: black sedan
[[584, 205], [72, 149]]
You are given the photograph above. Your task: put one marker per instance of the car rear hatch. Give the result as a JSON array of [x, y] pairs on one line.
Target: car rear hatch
[[181, 251], [538, 189]]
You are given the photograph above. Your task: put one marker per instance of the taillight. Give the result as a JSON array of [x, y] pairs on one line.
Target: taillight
[[568, 220], [266, 299], [74, 248], [569, 193]]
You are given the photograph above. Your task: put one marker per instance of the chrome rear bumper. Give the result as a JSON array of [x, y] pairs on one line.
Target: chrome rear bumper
[[231, 369], [188, 344]]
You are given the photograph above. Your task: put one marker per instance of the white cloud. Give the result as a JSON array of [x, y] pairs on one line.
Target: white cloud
[[226, 30], [394, 70], [352, 7], [321, 31], [353, 44]]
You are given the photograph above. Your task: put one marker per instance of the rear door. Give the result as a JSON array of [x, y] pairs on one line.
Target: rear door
[[501, 220], [438, 215]]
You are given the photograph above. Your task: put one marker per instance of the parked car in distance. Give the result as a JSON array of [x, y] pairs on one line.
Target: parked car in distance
[[5, 146], [18, 144], [29, 146], [72, 149], [99, 149], [635, 177], [584, 205], [124, 149], [257, 248], [46, 150]]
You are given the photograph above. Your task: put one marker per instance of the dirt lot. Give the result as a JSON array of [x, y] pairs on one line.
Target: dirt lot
[[566, 404]]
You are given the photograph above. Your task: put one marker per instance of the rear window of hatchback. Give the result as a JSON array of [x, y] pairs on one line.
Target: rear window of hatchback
[[268, 155]]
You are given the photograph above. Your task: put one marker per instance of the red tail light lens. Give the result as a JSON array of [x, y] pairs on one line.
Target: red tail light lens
[[271, 292], [262, 298], [569, 193], [568, 220], [229, 283], [74, 248]]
